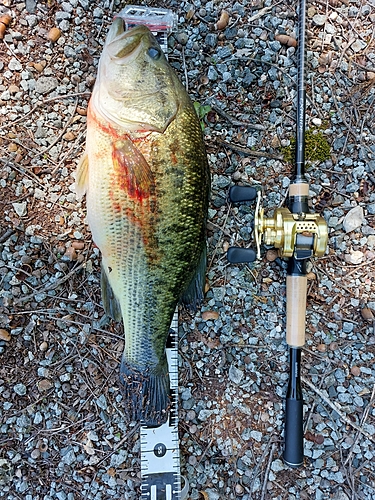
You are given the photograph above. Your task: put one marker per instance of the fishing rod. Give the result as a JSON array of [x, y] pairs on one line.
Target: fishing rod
[[298, 235]]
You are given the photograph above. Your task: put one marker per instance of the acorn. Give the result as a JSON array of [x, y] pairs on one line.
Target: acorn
[[5, 20], [53, 34]]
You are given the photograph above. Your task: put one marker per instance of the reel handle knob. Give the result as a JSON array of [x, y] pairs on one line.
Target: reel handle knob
[[237, 255], [242, 193]]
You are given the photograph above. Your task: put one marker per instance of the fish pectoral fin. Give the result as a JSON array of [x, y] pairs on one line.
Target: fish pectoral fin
[[132, 169], [147, 393], [110, 303], [193, 294], [82, 176]]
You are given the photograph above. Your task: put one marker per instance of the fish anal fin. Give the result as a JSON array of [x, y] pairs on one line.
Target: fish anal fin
[[147, 393], [193, 294], [82, 176], [132, 170], [110, 303]]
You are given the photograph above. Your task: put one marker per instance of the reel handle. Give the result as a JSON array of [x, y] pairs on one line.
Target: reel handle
[[242, 193], [236, 255]]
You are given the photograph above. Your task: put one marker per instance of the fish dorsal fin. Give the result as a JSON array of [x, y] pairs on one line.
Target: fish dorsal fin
[[82, 177], [133, 172]]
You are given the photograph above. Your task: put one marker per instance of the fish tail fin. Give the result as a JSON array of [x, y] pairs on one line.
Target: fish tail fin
[[110, 303], [193, 294], [147, 393]]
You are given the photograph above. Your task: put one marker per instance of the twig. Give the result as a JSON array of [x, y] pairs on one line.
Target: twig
[[219, 241], [363, 421], [367, 263], [120, 443], [234, 121], [21, 170], [262, 12], [8, 233], [45, 150], [247, 151], [185, 70], [340, 413], [205, 451], [259, 464], [42, 103], [265, 480], [51, 286]]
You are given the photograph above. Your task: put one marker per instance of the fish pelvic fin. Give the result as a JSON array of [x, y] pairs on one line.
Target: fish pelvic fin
[[110, 303], [82, 176], [193, 294], [147, 393], [133, 173]]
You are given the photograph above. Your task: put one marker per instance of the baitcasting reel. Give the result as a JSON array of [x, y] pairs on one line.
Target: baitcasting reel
[[302, 235]]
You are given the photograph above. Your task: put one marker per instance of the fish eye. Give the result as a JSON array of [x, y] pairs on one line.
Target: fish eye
[[154, 53]]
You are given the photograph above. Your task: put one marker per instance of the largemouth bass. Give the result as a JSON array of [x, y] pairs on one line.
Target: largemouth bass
[[146, 178]]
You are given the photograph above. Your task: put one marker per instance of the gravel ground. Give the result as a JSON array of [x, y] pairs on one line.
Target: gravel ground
[[63, 434]]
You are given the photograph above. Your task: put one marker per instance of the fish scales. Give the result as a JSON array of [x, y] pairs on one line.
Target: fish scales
[[147, 201]]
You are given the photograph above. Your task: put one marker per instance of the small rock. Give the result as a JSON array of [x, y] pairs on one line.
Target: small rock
[[69, 136], [358, 46], [20, 208], [212, 494], [317, 122], [46, 84], [44, 385], [355, 257], [39, 67], [14, 65], [239, 489], [182, 38], [43, 346], [13, 89], [355, 371], [78, 245], [35, 454], [20, 389], [4, 335], [353, 219], [277, 465], [333, 346], [322, 347], [319, 19], [31, 6], [235, 375], [70, 253], [272, 254]]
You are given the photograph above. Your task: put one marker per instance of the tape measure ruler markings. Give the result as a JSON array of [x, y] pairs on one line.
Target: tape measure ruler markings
[[160, 453]]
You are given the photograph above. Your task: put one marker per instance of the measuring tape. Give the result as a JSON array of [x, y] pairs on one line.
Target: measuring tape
[[160, 452]]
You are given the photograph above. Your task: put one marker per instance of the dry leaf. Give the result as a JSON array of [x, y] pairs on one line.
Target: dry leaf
[[207, 315], [4, 335], [286, 40]]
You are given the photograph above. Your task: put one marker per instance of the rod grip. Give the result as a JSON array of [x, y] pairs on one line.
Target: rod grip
[[296, 292], [293, 451]]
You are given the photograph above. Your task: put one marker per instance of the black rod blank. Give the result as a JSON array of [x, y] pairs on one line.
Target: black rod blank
[[301, 95]]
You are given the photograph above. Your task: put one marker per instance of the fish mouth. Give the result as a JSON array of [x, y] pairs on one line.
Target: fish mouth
[[123, 44]]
